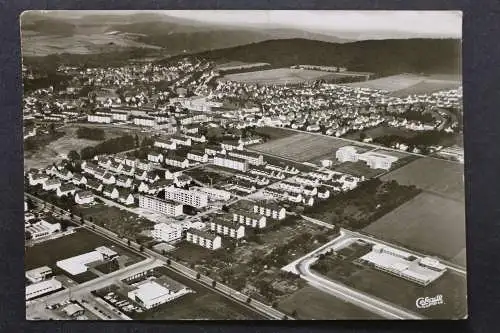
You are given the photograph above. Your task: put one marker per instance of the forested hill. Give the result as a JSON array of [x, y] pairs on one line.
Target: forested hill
[[388, 56]]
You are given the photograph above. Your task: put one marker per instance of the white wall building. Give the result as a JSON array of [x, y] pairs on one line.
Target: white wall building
[[231, 162], [214, 194], [78, 264], [151, 294], [271, 210], [41, 288], [84, 197], [167, 207], [167, 232], [227, 228], [249, 219], [98, 118], [42, 228], [38, 274], [188, 197], [205, 239]]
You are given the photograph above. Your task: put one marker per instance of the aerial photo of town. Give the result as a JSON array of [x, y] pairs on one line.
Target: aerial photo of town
[[243, 165]]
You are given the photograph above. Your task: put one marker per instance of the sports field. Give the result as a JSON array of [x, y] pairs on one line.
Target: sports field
[[428, 223], [409, 84], [444, 178], [301, 146], [282, 76]]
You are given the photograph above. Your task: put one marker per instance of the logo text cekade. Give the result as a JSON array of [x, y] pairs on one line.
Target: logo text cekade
[[426, 302]]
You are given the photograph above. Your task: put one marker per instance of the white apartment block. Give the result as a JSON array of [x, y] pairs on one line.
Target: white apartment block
[[198, 157], [227, 228], [188, 197], [98, 118], [214, 194], [252, 158], [270, 210], [167, 232], [165, 144], [205, 239], [167, 207], [374, 160], [249, 219], [231, 162]]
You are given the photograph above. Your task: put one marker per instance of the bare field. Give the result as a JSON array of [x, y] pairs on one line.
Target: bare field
[[312, 303], [282, 76], [428, 223], [409, 84], [444, 178], [301, 147]]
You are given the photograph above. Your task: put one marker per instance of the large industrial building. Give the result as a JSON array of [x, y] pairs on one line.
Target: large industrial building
[[79, 264], [153, 293], [41, 229], [422, 271], [164, 206]]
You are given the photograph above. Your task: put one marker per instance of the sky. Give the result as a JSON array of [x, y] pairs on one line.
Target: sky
[[368, 24], [431, 23]]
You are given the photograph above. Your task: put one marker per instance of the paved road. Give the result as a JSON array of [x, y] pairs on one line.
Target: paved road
[[222, 289]]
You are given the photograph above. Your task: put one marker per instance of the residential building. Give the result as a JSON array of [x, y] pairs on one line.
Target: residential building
[[125, 197], [155, 157], [51, 184], [205, 239], [213, 194], [188, 197], [165, 144], [164, 206], [110, 192], [227, 228], [231, 162], [251, 157], [84, 197], [249, 219], [198, 156], [123, 181], [99, 118], [181, 140], [66, 190], [177, 161], [94, 185], [269, 209], [167, 232]]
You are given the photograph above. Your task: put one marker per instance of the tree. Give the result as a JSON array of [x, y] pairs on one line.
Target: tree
[[169, 262], [214, 283], [249, 300], [73, 155], [141, 248], [225, 208], [136, 140], [198, 275], [362, 136], [128, 242]]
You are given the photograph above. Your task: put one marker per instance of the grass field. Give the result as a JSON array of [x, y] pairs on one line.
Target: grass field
[[438, 176], [409, 84], [428, 223], [274, 132], [301, 146], [379, 131], [312, 303], [48, 253], [282, 76]]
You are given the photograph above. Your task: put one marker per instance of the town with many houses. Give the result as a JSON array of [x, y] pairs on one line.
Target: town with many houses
[[189, 167]]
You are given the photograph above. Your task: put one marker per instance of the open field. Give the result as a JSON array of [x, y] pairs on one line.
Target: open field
[[115, 219], [438, 176], [408, 84], [34, 44], [358, 169], [282, 76], [57, 149], [301, 146], [428, 223], [312, 303], [274, 132], [48, 253]]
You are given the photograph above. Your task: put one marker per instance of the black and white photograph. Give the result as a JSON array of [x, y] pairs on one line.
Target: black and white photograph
[[243, 165]]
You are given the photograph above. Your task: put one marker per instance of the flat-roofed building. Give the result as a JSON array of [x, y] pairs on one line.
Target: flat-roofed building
[[422, 271], [347, 154], [42, 228], [214, 194], [167, 232], [38, 274], [164, 206], [42, 288], [100, 118], [207, 240], [188, 197], [79, 264], [150, 293], [251, 157]]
